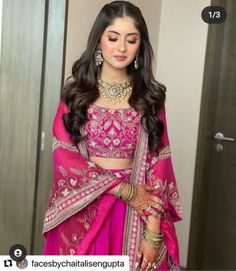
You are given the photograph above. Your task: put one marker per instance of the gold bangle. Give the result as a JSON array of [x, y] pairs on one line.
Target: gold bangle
[[152, 238], [120, 190], [154, 245], [123, 194], [153, 234], [130, 194]]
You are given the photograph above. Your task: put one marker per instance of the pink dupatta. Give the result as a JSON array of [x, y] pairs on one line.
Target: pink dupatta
[[75, 204]]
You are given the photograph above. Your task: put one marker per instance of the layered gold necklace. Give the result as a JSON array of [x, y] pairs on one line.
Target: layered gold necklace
[[114, 92]]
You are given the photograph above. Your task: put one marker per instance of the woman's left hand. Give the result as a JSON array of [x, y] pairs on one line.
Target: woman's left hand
[[146, 256]]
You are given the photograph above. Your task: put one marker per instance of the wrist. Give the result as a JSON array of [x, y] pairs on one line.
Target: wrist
[[120, 188], [114, 190], [152, 238], [154, 224], [127, 192]]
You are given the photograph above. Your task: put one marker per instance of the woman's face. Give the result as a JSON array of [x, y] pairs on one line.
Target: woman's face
[[120, 43]]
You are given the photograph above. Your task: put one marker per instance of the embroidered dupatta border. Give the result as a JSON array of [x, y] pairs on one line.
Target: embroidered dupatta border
[[74, 203], [133, 227]]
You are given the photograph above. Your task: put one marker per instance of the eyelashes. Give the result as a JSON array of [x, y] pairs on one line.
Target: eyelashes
[[129, 41], [113, 40]]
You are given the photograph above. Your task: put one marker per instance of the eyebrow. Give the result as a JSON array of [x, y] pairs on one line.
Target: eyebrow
[[129, 34]]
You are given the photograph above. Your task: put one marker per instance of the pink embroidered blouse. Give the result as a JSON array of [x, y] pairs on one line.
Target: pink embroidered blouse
[[111, 133]]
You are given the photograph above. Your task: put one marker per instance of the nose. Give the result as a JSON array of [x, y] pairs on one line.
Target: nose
[[122, 47]]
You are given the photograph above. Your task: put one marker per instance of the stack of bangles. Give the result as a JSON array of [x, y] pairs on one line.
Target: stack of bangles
[[127, 192], [152, 238], [129, 195]]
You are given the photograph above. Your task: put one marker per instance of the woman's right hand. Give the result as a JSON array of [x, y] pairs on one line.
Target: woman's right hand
[[144, 201]]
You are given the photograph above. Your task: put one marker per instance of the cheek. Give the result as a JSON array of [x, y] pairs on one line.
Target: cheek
[[134, 50], [106, 47]]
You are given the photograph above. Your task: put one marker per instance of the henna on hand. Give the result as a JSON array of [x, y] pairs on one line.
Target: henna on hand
[[145, 201], [146, 256]]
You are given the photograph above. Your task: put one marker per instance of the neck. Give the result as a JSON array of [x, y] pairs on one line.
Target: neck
[[109, 74]]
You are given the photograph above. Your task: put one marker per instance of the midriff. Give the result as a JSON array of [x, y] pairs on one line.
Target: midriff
[[112, 163]]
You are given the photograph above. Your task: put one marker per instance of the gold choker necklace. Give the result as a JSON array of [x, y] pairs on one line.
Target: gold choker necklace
[[114, 91]]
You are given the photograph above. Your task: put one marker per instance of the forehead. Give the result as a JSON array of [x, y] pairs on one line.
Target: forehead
[[123, 25]]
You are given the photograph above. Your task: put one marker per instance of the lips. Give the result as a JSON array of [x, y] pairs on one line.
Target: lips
[[120, 58]]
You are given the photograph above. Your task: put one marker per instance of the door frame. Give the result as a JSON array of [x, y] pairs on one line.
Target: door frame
[[53, 71]]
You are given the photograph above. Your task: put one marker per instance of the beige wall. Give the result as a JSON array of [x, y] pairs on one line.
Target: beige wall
[[180, 64], [151, 10], [81, 15], [178, 36], [0, 28]]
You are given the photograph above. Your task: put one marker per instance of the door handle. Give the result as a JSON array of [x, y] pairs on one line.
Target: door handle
[[219, 136]]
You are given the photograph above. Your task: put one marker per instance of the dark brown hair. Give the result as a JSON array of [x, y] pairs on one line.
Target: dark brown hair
[[80, 90]]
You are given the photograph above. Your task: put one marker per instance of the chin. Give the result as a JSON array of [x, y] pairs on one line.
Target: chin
[[120, 66], [123, 67]]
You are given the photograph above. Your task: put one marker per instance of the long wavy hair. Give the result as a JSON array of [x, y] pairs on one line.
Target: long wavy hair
[[80, 89]]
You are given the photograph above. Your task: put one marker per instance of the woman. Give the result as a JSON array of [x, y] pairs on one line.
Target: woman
[[113, 174]]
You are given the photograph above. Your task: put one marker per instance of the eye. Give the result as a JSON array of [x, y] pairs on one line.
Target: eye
[[112, 39], [132, 41]]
